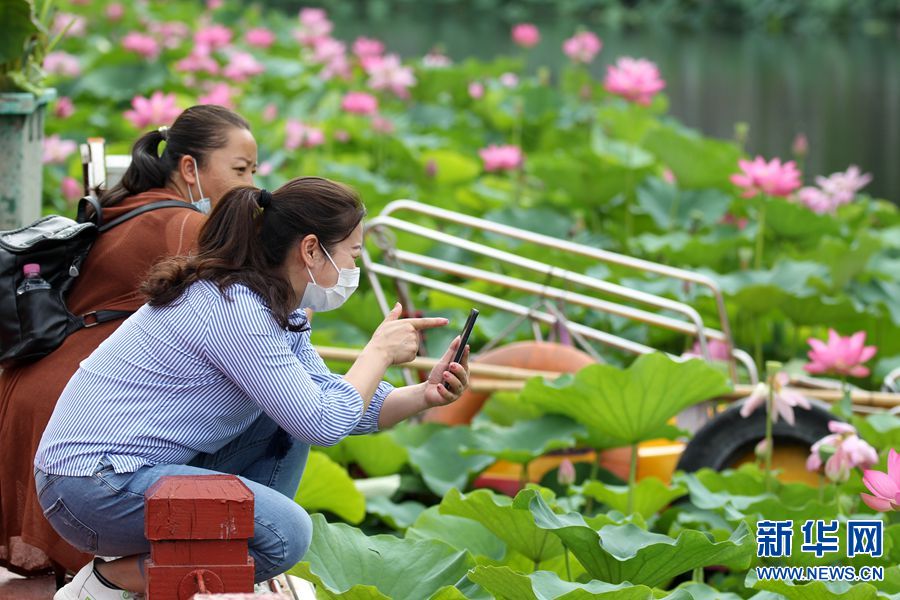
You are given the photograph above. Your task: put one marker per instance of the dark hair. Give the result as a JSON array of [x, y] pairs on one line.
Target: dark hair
[[196, 132], [243, 243]]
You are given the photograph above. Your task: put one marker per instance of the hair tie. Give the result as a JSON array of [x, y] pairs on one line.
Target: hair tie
[[265, 198], [164, 132]]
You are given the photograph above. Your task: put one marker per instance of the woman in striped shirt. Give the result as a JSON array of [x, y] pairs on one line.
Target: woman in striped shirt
[[216, 374]]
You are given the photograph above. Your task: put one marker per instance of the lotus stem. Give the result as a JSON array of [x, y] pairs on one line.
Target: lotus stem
[[632, 477], [760, 235]]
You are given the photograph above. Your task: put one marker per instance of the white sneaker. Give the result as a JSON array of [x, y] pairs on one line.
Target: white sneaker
[[86, 586]]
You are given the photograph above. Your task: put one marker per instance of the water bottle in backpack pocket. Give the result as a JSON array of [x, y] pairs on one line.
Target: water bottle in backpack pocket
[[43, 316]]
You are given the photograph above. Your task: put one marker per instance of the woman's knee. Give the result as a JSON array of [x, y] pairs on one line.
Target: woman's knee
[[281, 540]]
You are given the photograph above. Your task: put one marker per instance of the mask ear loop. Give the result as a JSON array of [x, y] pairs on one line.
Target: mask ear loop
[[197, 176], [333, 264]]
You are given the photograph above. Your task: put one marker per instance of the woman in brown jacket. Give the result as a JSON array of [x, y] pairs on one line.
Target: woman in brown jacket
[[208, 150]]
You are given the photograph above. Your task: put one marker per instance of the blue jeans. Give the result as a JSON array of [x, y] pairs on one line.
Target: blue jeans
[[104, 513]]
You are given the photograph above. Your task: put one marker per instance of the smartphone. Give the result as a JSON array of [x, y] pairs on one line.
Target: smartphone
[[464, 338]]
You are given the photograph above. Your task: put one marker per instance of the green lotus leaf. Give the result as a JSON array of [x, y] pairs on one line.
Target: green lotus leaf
[[398, 515], [526, 440], [650, 495], [794, 220], [671, 208], [378, 454], [619, 553], [631, 405], [506, 584], [18, 27], [459, 532], [700, 591], [440, 463], [510, 521], [882, 430], [450, 167], [345, 563], [327, 486], [617, 152], [695, 161], [760, 291]]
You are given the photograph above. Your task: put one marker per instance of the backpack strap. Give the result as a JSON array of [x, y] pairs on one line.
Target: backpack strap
[[95, 317], [96, 218], [143, 209]]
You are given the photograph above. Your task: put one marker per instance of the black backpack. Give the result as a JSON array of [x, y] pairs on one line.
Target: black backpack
[[35, 323]]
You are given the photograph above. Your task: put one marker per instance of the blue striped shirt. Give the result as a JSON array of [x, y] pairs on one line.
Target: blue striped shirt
[[177, 380]]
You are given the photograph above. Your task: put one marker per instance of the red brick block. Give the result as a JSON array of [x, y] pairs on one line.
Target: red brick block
[[198, 527]]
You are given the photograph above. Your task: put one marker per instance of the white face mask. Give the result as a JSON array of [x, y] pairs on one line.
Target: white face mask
[[321, 299], [203, 203]]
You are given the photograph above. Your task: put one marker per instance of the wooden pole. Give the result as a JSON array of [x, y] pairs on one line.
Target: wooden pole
[[495, 378]]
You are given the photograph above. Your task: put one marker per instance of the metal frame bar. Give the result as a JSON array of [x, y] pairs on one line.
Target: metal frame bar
[[693, 326]]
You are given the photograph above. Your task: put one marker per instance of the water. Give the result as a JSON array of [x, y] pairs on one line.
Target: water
[[842, 93]]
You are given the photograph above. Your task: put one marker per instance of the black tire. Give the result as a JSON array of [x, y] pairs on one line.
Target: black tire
[[728, 437]]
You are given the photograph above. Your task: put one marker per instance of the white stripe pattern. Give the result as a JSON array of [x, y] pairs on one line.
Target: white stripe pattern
[[186, 378]]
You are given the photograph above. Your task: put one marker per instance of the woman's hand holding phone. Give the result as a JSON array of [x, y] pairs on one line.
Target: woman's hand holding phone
[[448, 379]]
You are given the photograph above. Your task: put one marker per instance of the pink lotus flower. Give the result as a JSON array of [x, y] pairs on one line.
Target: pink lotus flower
[[71, 189], [476, 90], [566, 473], [800, 146], [115, 11], [509, 80], [64, 108], [884, 486], [816, 200], [847, 451], [785, 399], [159, 109], [636, 80], [341, 136], [761, 177], [198, 61], [242, 66], [259, 37], [731, 219], [56, 151], [213, 37], [333, 55], [360, 103], [314, 26], [718, 350], [668, 176], [843, 186], [270, 113], [389, 74], [841, 355], [77, 26], [582, 47], [171, 33], [265, 168], [501, 158], [300, 135], [62, 63], [364, 47], [382, 125], [214, 4], [141, 43], [526, 35], [219, 93]]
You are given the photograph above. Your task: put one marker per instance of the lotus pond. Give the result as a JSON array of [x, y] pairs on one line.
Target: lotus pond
[[596, 160]]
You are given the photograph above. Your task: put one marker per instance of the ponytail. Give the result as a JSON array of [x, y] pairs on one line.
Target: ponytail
[[146, 171], [197, 132], [249, 235]]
